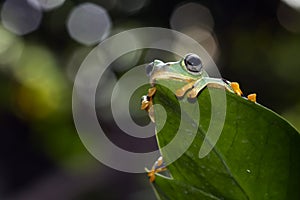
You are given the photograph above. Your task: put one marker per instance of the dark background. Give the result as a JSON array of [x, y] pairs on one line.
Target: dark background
[[41, 156]]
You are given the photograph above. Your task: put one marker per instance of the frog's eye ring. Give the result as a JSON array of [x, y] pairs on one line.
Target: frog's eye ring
[[193, 63], [149, 68]]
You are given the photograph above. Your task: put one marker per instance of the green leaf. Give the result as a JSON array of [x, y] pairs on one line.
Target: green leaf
[[256, 157]]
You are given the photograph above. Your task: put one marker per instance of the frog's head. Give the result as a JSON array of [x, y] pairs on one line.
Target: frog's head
[[187, 69]]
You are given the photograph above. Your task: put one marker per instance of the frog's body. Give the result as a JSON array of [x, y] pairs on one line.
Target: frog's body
[[189, 70]]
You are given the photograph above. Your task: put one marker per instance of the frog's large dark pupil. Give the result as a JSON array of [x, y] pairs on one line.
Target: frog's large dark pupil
[[193, 63]]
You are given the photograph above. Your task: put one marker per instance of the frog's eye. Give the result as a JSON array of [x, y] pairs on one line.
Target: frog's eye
[[193, 63], [149, 69]]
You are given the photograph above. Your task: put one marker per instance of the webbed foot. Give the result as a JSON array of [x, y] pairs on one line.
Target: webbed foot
[[146, 101], [157, 167]]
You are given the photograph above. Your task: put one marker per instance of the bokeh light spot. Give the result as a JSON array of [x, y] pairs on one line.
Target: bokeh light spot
[[11, 47], [42, 83], [205, 38], [292, 3], [124, 62], [196, 21], [20, 17], [46, 4], [88, 24], [191, 15]]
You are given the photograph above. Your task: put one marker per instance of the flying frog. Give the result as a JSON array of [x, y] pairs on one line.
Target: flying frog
[[189, 70]]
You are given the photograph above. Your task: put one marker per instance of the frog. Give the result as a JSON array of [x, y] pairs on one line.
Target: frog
[[189, 70]]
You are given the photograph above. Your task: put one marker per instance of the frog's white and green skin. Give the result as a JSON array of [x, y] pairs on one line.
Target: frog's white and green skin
[[189, 70]]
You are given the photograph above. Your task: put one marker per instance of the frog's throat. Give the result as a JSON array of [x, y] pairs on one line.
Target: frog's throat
[[168, 76]]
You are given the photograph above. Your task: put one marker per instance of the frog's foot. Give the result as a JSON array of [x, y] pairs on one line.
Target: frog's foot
[[146, 101], [152, 173], [252, 97], [157, 168], [181, 91], [147, 104], [236, 88], [193, 93]]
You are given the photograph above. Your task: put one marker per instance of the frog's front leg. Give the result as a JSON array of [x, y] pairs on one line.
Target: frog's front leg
[[181, 91], [210, 82], [218, 83]]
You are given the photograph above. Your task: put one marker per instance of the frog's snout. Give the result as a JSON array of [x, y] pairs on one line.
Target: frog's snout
[[156, 65], [149, 68]]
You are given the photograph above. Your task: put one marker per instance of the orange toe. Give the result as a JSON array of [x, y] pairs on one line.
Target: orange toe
[[252, 97]]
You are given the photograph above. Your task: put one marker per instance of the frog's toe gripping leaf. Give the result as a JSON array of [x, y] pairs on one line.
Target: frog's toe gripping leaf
[[256, 156], [236, 88], [252, 97]]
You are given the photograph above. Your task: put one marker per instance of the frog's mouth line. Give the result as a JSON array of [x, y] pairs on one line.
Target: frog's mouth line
[[168, 75]]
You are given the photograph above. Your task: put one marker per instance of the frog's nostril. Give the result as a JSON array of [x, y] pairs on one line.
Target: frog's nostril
[[149, 69]]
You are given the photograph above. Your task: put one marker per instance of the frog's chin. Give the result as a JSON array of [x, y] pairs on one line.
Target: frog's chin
[[169, 76]]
